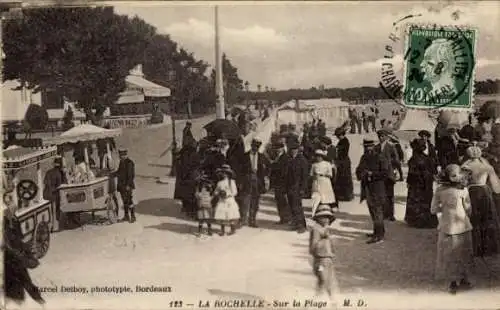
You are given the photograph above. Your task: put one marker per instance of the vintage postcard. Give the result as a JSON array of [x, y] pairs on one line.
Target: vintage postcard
[[250, 155]]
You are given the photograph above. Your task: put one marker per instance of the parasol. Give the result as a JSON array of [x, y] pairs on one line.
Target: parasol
[[223, 128], [81, 133]]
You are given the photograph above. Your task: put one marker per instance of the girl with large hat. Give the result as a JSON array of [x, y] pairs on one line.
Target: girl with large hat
[[226, 209], [321, 248], [344, 189]]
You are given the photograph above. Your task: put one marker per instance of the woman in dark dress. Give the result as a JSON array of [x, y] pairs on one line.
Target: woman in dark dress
[[343, 184], [187, 175], [421, 171]]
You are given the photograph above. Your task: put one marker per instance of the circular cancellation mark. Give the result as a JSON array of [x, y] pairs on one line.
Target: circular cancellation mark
[[438, 66]]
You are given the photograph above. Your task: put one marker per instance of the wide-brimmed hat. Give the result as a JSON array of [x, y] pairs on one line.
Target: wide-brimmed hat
[[451, 174], [324, 210], [368, 143], [321, 152], [424, 133], [340, 131], [474, 152], [226, 169]]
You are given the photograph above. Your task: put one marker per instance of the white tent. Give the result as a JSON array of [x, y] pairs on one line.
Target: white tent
[[416, 120], [334, 112], [84, 132]]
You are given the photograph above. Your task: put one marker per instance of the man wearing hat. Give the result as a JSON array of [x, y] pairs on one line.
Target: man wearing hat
[[390, 156], [126, 185], [372, 172], [279, 169], [187, 135], [296, 182], [255, 169], [54, 177]]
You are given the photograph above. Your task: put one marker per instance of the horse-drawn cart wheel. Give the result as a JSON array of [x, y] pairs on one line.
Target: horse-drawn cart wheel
[[27, 189], [111, 211], [41, 239]]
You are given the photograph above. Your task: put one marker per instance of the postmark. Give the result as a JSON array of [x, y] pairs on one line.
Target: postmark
[[439, 66]]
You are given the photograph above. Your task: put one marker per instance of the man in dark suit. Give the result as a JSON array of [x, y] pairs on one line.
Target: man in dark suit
[[126, 185], [297, 176], [53, 179], [390, 155], [187, 135], [255, 169], [372, 171], [279, 169]]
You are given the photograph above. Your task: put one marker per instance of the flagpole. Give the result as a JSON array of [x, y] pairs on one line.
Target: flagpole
[[220, 110]]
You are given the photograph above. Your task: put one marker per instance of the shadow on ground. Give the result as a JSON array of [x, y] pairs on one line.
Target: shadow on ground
[[404, 261]]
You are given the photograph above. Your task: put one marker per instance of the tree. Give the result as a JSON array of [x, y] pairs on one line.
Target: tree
[[36, 117], [233, 85], [84, 54]]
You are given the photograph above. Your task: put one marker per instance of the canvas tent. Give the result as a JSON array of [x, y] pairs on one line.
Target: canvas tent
[[334, 112], [416, 120]]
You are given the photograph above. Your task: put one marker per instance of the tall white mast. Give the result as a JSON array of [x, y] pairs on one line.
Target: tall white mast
[[219, 82]]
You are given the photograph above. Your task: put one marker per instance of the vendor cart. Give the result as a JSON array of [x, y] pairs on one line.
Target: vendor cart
[[22, 190], [95, 194]]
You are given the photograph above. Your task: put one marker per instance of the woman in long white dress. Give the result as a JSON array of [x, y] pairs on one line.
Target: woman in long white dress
[[321, 173]]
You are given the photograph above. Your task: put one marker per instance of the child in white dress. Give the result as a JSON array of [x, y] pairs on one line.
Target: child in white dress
[[322, 190], [204, 201], [226, 209]]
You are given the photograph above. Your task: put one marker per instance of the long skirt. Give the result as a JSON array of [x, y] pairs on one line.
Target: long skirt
[[454, 256], [227, 211], [344, 190], [485, 222], [323, 187], [418, 206]]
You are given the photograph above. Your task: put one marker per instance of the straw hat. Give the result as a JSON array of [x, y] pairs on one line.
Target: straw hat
[[321, 152], [226, 169], [324, 211], [452, 174], [474, 152], [368, 143], [424, 133]]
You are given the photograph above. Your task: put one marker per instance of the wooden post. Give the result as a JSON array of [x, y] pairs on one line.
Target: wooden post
[[86, 155], [40, 182]]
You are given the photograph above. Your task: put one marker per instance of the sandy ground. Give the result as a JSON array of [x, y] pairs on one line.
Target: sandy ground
[[268, 263]]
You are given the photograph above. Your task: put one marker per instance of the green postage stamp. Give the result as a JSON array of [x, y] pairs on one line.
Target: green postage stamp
[[439, 64]]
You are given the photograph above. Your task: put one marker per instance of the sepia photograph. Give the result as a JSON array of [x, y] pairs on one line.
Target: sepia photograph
[[250, 154]]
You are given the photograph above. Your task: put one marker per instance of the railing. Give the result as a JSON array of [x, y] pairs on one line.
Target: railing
[[128, 121]]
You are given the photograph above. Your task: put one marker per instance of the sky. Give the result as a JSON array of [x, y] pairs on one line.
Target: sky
[[300, 45]]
